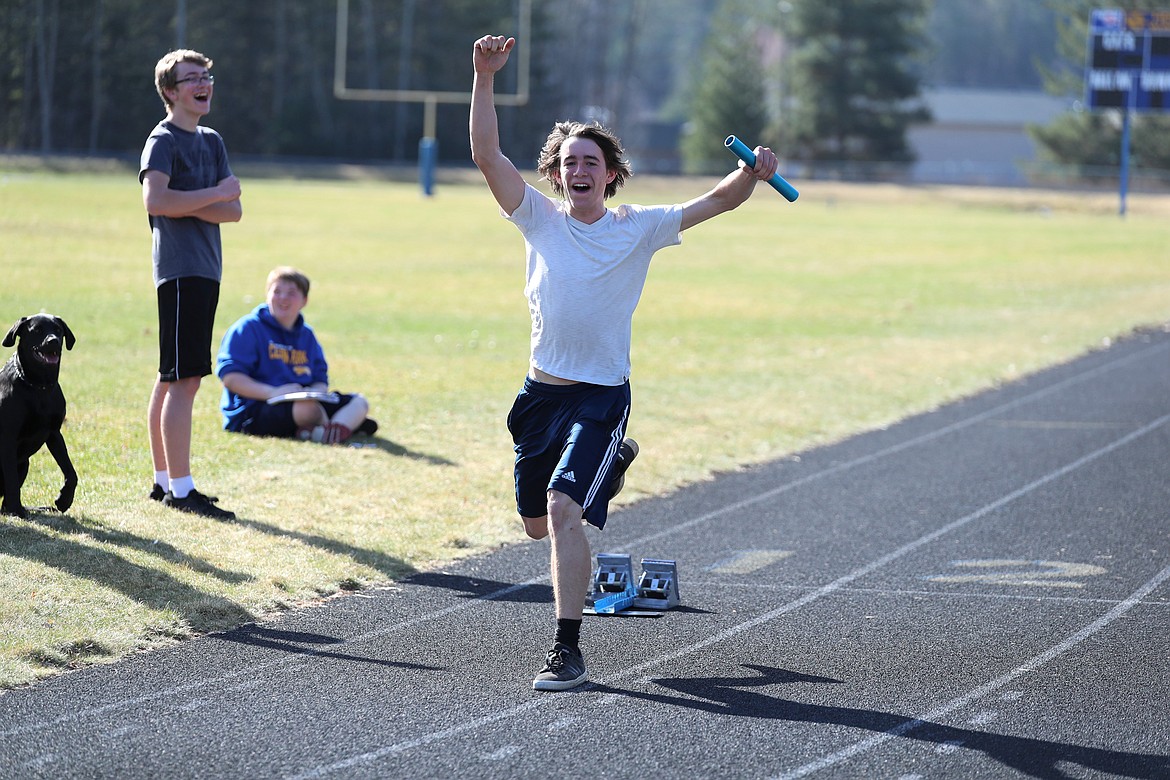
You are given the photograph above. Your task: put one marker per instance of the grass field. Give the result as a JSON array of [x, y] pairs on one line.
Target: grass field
[[770, 330]]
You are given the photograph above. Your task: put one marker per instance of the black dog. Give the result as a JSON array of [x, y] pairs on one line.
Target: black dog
[[32, 407]]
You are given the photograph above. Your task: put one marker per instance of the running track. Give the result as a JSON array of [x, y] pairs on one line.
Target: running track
[[979, 592]]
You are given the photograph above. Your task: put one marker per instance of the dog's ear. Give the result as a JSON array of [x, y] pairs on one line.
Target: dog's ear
[[70, 339], [10, 339]]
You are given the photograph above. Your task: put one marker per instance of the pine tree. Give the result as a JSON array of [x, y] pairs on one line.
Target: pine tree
[[854, 82], [729, 92]]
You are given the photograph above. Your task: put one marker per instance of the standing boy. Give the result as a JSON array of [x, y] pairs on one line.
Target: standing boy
[[188, 190], [586, 267]]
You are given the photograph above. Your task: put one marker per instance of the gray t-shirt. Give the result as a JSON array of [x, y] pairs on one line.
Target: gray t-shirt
[[584, 282], [185, 246]]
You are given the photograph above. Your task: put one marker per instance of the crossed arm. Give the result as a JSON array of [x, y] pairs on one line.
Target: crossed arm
[[217, 204]]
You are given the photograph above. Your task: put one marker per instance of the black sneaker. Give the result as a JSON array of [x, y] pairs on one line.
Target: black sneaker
[[369, 427], [198, 504], [158, 493], [564, 668], [626, 454]]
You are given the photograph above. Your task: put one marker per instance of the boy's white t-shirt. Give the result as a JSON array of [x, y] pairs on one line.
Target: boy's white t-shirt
[[584, 282]]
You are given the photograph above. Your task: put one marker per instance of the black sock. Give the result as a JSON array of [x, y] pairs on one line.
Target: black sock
[[568, 632]]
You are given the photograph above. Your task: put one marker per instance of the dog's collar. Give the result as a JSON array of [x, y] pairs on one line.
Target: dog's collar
[[19, 369]]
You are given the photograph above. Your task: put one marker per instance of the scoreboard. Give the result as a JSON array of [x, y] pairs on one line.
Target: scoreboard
[[1128, 60]]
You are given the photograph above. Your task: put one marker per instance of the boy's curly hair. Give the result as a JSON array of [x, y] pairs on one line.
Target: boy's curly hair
[[611, 148]]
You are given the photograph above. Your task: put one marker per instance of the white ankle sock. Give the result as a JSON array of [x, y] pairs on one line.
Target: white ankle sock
[[161, 479], [181, 486]]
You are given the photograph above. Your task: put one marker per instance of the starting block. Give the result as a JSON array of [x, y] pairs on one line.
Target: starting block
[[614, 590], [658, 585]]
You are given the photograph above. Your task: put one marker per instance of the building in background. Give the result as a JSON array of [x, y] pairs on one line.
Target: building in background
[[979, 136]]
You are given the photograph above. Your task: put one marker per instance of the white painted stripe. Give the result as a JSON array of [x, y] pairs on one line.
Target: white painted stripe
[[987, 688], [900, 552], [502, 753], [248, 674], [615, 441], [894, 449], [748, 561], [178, 322], [1031, 598]]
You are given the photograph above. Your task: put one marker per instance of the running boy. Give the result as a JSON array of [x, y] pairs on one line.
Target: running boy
[[586, 267]]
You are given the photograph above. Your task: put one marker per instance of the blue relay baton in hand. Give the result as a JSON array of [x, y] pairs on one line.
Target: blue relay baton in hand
[[740, 150]]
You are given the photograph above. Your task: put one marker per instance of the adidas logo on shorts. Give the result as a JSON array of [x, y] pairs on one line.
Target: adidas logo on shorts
[[569, 477]]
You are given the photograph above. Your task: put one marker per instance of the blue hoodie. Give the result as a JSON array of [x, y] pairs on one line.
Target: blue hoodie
[[260, 347]]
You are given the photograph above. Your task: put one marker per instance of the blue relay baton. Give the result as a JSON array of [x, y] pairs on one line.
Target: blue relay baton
[[740, 150]]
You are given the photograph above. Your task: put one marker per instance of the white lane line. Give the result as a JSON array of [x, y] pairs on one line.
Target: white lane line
[[247, 675], [902, 551], [987, 688], [983, 718], [1058, 425], [1018, 573], [41, 761], [728, 633], [306, 657], [424, 739], [502, 753], [894, 449], [1030, 598]]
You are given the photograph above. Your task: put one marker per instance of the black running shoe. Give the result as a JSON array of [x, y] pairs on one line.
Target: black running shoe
[[564, 668], [198, 504], [626, 454], [369, 427], [158, 493]]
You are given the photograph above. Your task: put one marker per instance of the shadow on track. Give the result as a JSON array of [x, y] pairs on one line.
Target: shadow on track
[[1034, 757], [294, 642], [477, 588]]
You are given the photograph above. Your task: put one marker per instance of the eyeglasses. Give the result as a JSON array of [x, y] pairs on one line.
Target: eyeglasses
[[205, 79]]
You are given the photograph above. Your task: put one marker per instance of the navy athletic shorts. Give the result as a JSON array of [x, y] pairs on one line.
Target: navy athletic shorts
[[277, 419], [567, 439], [186, 318]]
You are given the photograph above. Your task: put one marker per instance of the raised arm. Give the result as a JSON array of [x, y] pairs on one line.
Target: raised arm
[[734, 189], [505, 182]]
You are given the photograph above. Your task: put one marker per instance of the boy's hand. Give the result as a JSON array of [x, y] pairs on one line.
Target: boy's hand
[[491, 52], [291, 387], [229, 188], [766, 164]]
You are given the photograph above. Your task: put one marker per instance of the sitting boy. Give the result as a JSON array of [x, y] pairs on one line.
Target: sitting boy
[[271, 352]]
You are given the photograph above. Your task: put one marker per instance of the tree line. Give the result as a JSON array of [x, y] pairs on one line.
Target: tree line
[[818, 80], [76, 76]]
